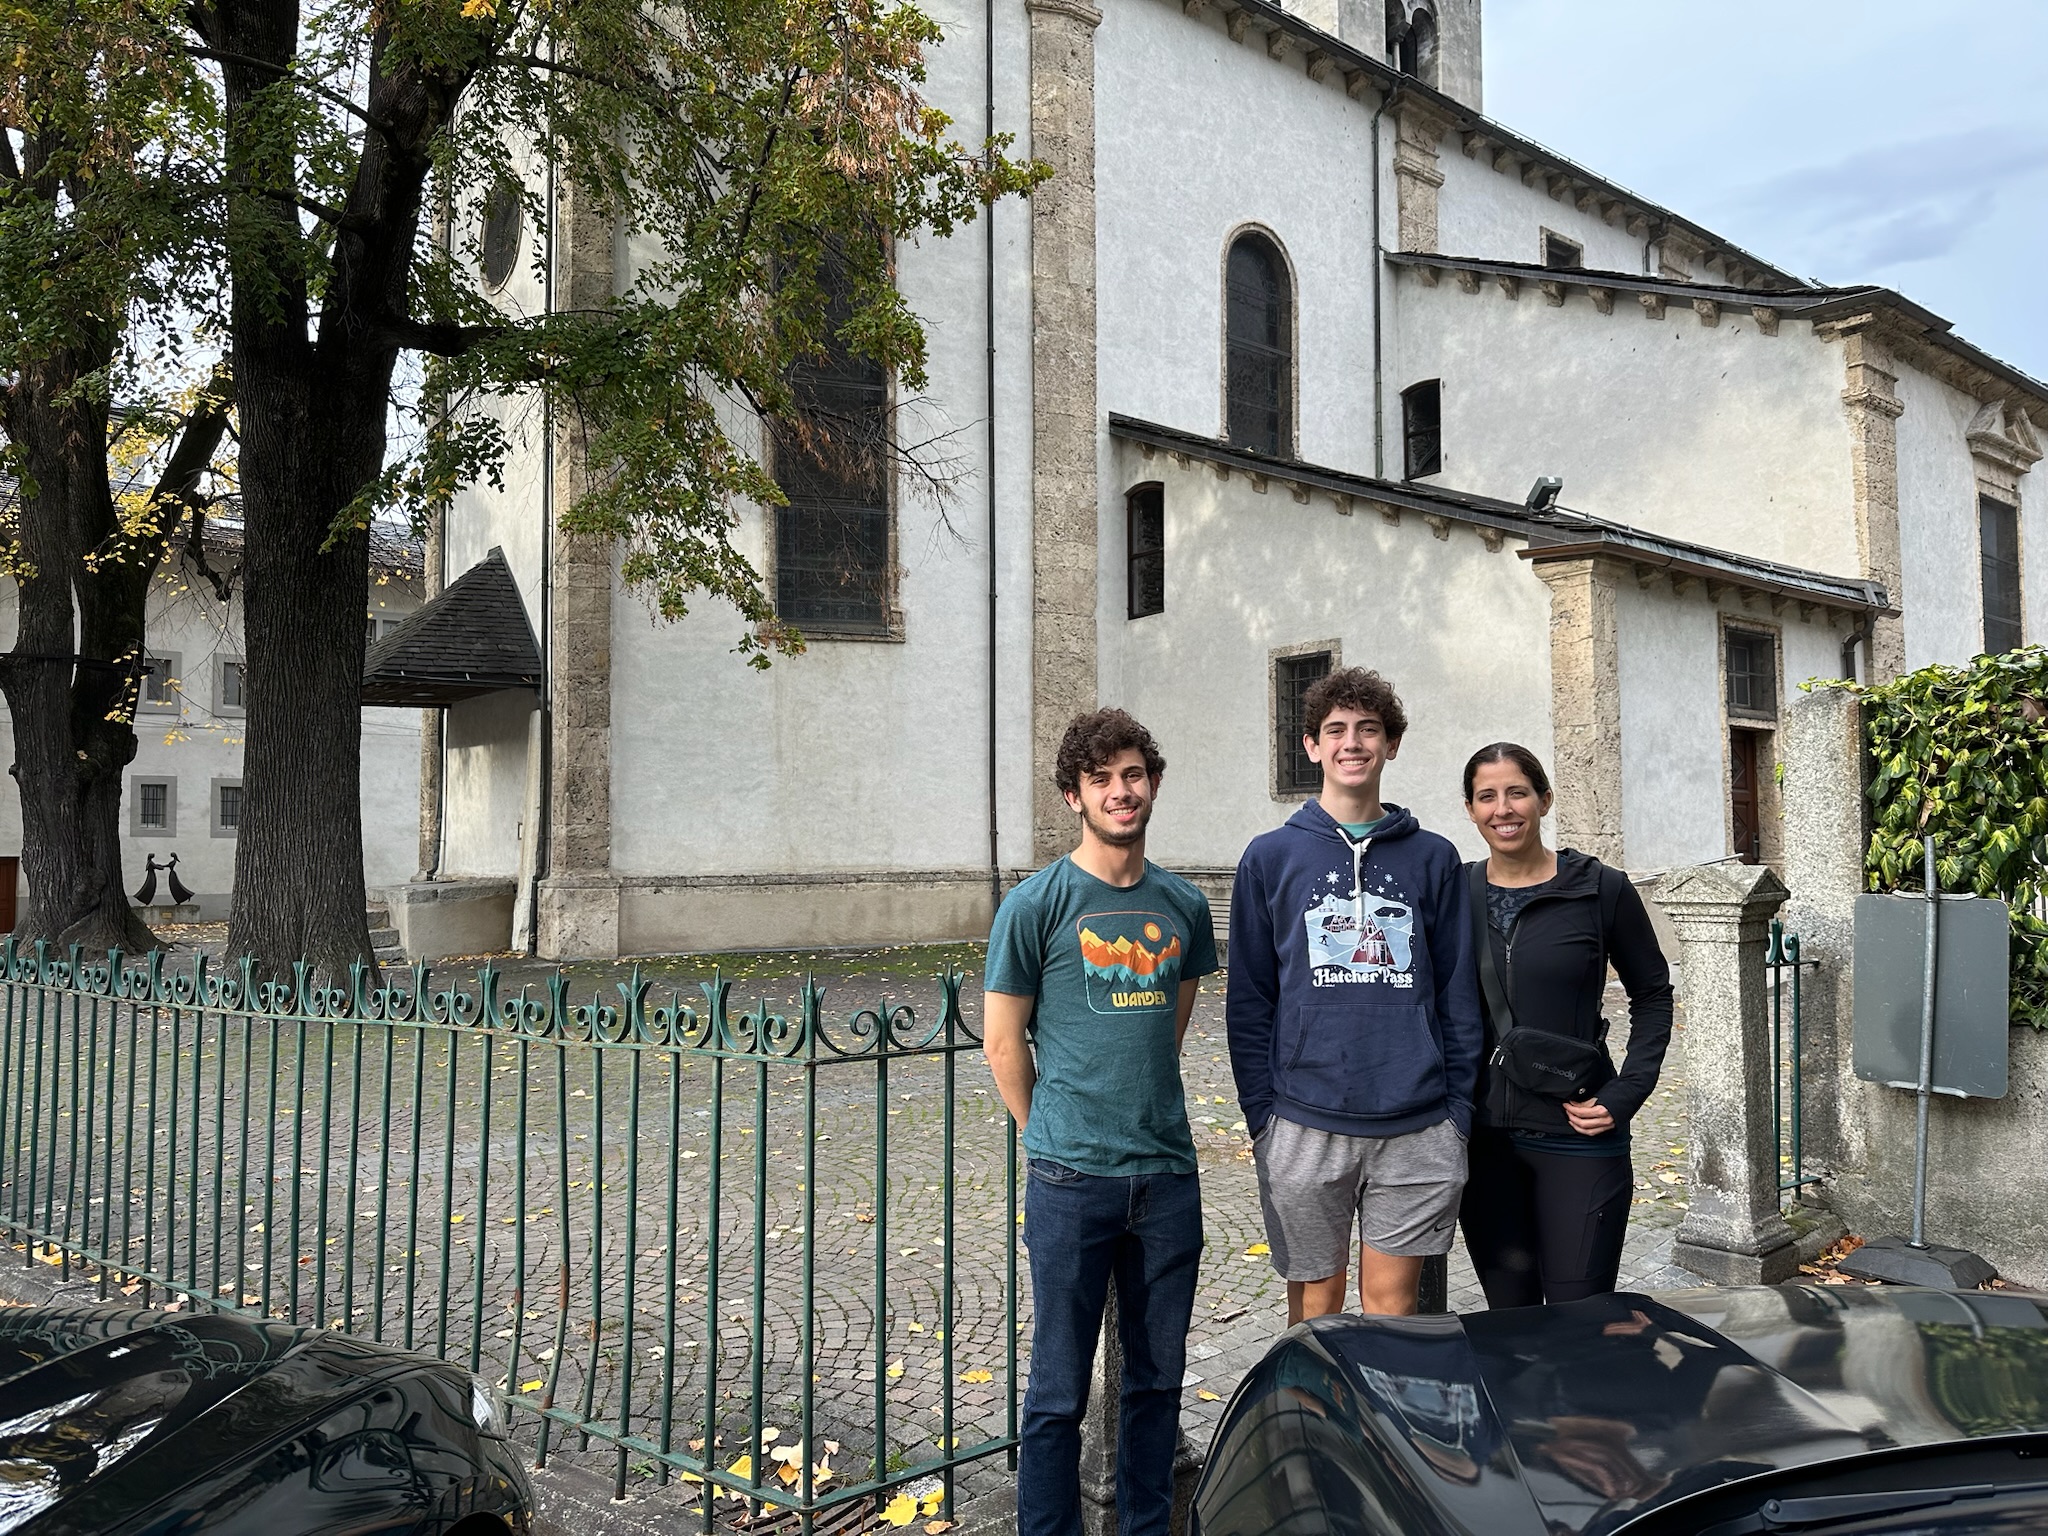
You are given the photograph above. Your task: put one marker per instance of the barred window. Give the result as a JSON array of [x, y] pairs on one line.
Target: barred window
[[1259, 348], [1998, 530], [227, 807], [1752, 668], [152, 806], [1295, 772], [1145, 518], [1422, 427], [832, 539]]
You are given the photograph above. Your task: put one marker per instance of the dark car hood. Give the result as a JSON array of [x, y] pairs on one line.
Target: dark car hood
[[105, 1411], [1578, 1418]]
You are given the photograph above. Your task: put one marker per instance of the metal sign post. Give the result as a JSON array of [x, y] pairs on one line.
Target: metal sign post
[[1913, 1260]]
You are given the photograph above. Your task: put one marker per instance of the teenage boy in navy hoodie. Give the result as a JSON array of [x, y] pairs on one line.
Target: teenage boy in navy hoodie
[[1353, 1013]]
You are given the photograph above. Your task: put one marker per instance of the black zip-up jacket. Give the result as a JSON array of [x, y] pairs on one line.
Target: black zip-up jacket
[[1554, 971]]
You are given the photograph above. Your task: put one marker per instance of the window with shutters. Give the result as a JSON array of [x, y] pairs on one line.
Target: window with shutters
[[832, 541], [1258, 347], [1145, 524], [1422, 428], [1998, 534], [1295, 774]]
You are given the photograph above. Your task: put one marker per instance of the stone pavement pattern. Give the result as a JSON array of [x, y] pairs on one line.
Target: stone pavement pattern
[[431, 1207]]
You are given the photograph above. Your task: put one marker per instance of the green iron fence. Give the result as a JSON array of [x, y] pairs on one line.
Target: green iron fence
[[617, 1210], [1782, 964]]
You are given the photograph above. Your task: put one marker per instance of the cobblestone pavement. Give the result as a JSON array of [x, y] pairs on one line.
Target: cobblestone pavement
[[415, 1212]]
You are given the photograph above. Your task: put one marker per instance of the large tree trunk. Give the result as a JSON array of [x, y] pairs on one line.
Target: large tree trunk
[[66, 677], [313, 398]]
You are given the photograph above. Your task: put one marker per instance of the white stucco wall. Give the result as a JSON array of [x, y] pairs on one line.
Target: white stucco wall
[[1187, 124], [1719, 435], [485, 783], [1462, 632], [1487, 213]]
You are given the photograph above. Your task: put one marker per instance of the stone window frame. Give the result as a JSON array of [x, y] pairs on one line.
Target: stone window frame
[[1408, 470], [221, 707], [892, 630], [174, 661], [1769, 801], [213, 789], [1235, 233], [1545, 236], [1335, 650], [170, 787]]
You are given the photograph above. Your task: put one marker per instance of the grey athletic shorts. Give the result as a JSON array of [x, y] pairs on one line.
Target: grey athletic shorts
[[1399, 1192]]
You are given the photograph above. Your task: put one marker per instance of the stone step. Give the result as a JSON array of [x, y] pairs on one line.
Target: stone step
[[392, 958], [383, 938], [379, 914]]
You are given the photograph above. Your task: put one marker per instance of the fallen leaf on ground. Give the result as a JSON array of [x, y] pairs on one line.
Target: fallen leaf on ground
[[1207, 1396], [1258, 1250], [977, 1376], [901, 1511]]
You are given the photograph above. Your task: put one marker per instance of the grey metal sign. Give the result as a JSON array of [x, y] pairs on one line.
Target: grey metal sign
[[1971, 1023]]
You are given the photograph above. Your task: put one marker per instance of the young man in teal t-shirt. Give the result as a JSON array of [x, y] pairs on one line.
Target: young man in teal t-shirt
[[1095, 962]]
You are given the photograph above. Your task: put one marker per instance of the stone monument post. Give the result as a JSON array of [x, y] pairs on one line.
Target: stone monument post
[[1099, 1432], [1733, 1233]]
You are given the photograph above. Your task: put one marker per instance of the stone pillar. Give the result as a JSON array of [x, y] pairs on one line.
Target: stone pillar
[[433, 568], [579, 903], [1874, 411], [1820, 746], [1099, 1432], [1585, 706], [1065, 434], [1417, 132], [1733, 1233]]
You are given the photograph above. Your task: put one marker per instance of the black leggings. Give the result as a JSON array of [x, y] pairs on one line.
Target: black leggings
[[1543, 1226]]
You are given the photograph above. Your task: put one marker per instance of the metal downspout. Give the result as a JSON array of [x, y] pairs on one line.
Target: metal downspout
[[988, 69], [542, 818], [1379, 294]]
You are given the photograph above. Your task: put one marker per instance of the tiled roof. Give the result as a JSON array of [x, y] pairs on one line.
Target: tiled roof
[[472, 639]]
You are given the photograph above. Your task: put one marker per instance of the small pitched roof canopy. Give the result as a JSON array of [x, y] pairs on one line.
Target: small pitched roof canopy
[[472, 639]]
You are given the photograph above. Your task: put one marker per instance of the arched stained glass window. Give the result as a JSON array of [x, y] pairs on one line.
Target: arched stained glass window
[[1259, 348]]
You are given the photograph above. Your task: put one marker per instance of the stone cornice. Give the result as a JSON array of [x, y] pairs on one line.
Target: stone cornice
[[1077, 10]]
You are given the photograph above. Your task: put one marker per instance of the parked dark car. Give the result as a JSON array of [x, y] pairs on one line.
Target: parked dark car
[[1836, 1409], [115, 1421]]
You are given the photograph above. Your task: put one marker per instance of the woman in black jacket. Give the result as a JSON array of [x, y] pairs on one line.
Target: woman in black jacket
[[1547, 1195]]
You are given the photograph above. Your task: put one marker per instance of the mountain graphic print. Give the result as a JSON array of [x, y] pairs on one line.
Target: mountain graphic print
[[1131, 961]]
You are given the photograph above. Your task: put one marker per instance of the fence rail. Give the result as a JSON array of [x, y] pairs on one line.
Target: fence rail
[[1782, 963], [611, 1208]]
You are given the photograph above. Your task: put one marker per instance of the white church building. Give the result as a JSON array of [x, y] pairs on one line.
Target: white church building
[[1298, 361]]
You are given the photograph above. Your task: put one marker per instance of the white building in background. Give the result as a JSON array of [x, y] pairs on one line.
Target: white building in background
[[1259, 384], [182, 795]]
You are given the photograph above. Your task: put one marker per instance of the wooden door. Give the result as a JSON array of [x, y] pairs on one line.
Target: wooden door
[[1746, 825]]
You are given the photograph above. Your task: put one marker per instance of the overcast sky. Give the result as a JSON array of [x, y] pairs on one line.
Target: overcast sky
[[1849, 141]]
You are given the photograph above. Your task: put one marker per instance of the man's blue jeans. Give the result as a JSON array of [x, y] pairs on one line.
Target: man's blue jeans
[[1146, 1232]]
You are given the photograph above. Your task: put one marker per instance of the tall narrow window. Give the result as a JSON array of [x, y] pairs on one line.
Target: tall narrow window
[[1259, 348], [832, 540], [1411, 42], [1294, 771], [1998, 531], [1422, 427], [1145, 520]]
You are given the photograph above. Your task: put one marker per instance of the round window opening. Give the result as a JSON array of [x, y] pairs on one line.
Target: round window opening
[[500, 232]]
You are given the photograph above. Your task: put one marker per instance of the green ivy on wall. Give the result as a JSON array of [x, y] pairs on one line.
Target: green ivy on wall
[[1962, 753]]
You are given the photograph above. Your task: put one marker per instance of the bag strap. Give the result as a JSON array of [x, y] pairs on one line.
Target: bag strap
[[1496, 995]]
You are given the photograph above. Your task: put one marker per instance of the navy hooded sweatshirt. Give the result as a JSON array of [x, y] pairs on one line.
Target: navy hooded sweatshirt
[[1354, 1003]]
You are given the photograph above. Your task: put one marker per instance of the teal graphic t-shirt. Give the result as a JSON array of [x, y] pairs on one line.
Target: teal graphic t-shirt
[[1105, 963]]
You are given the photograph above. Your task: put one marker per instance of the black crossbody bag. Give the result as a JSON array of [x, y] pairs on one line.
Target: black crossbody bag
[[1538, 1061]]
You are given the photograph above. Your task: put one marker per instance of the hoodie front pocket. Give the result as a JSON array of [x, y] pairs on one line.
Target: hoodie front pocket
[[1362, 1060]]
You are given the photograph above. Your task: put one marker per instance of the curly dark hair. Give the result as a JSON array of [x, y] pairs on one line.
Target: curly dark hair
[[1353, 688], [1093, 739]]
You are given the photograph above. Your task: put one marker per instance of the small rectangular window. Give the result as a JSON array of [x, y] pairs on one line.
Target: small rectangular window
[[160, 686], [227, 807], [1422, 428], [1145, 521], [229, 697], [152, 807], [1295, 773], [1562, 255], [1752, 675], [1998, 529]]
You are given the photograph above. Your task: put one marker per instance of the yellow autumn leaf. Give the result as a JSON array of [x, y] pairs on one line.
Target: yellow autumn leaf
[[901, 1511], [931, 1503], [977, 1376], [743, 1468], [917, 1327], [895, 1368], [937, 1527], [1257, 1251], [1207, 1396], [530, 1386]]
